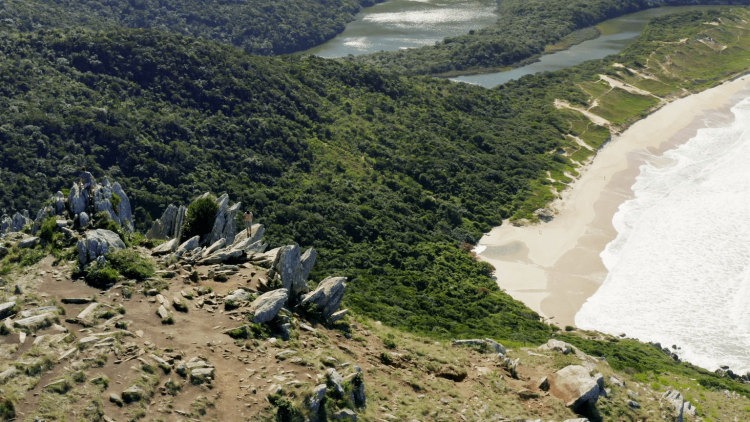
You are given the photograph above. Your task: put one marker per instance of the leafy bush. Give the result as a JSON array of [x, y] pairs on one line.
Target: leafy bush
[[100, 275], [131, 264], [48, 229], [200, 216]]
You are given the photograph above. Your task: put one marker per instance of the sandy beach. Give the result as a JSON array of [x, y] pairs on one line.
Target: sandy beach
[[555, 267]]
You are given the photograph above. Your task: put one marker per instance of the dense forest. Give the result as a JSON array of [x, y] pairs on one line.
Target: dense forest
[[267, 27], [525, 28], [386, 175]]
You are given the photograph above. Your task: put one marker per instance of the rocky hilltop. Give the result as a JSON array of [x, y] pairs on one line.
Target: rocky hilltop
[[197, 320]]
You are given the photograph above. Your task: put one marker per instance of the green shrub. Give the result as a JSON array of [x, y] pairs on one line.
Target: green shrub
[[30, 257], [7, 409], [131, 264], [200, 216], [116, 202], [100, 275], [47, 232]]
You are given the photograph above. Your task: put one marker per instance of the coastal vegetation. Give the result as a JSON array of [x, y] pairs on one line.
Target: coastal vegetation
[[385, 175]]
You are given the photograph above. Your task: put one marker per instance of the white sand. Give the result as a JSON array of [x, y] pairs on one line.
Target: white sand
[[554, 267]]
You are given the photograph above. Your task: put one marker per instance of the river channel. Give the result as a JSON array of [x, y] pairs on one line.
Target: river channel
[[402, 24]]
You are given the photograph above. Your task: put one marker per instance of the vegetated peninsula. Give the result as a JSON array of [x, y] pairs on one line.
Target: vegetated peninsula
[[524, 30], [267, 27], [385, 176]]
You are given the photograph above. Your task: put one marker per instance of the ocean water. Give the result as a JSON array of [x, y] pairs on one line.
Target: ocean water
[[679, 269]]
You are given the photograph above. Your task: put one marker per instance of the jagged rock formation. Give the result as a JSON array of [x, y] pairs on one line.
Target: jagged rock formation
[[107, 198], [267, 306], [169, 226], [225, 223], [98, 243], [326, 298]]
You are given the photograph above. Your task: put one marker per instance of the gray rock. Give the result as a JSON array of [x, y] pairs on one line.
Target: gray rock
[[284, 354], [123, 210], [28, 322], [7, 309], [116, 399], [338, 315], [558, 346], [219, 221], [5, 224], [201, 375], [68, 233], [19, 221], [574, 386], [98, 243], [188, 245], [36, 311], [181, 368], [308, 261], [316, 400], [8, 373], [230, 226], [327, 297], [77, 200], [165, 248], [688, 409], [169, 226], [335, 381], [220, 256], [289, 267], [214, 247], [162, 312], [268, 305], [345, 415], [488, 344], [633, 404], [59, 200], [83, 220], [133, 394], [29, 242]]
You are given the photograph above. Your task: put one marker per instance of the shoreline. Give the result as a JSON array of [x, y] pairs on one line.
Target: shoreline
[[554, 267]]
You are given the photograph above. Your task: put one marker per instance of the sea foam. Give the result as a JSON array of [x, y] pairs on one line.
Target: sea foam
[[679, 269]]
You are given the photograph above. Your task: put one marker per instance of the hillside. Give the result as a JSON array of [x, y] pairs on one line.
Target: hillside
[[177, 336], [386, 176], [267, 27]]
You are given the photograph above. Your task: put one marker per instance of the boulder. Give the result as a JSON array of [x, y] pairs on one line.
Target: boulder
[[308, 261], [201, 375], [19, 221], [220, 256], [133, 394], [5, 224], [558, 346], [83, 220], [268, 305], [59, 200], [225, 225], [337, 316], [98, 243], [165, 248], [488, 344], [336, 382], [326, 298], [188, 245], [575, 386], [7, 309], [316, 400], [288, 265], [29, 242], [214, 247], [77, 200]]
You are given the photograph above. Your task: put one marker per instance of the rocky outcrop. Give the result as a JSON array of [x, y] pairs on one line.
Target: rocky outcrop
[[225, 223], [188, 245], [559, 346], [316, 400], [267, 306], [169, 226], [288, 266], [97, 243], [326, 298], [308, 261], [14, 224], [29, 242], [77, 199], [576, 387]]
